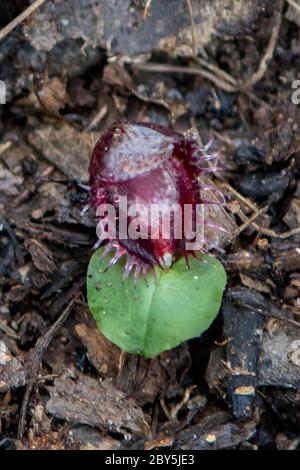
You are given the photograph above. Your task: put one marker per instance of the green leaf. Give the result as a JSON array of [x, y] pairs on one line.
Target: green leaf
[[148, 319]]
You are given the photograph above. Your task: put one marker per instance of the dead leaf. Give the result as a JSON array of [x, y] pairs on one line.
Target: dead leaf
[[65, 147], [254, 284]]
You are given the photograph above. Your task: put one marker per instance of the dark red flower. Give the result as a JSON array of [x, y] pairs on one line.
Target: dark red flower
[[150, 165]]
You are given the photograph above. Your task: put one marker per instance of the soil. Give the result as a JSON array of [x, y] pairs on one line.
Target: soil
[[229, 74]]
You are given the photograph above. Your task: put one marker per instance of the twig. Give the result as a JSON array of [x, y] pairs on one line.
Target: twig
[[270, 49], [266, 231], [190, 9], [294, 5], [97, 118], [176, 408], [146, 9], [216, 75], [269, 232], [165, 409], [240, 196], [217, 79], [272, 233], [15, 22], [224, 138], [5, 146], [214, 68], [149, 99], [41, 378], [265, 314], [248, 222], [8, 331], [166, 68], [37, 355]]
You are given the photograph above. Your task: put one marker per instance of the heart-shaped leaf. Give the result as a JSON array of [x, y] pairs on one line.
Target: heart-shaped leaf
[[147, 319]]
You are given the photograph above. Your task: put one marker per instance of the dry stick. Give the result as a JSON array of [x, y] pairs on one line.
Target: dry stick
[[294, 4], [216, 79], [41, 378], [216, 75], [214, 68], [270, 49], [165, 409], [148, 99], [268, 231], [248, 222], [37, 354], [165, 68], [190, 9], [14, 23], [176, 408], [226, 77], [5, 146], [267, 315], [8, 330], [146, 9], [224, 138], [239, 196], [97, 118], [271, 233]]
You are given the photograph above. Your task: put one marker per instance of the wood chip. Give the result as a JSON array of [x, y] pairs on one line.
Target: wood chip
[[97, 404]]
